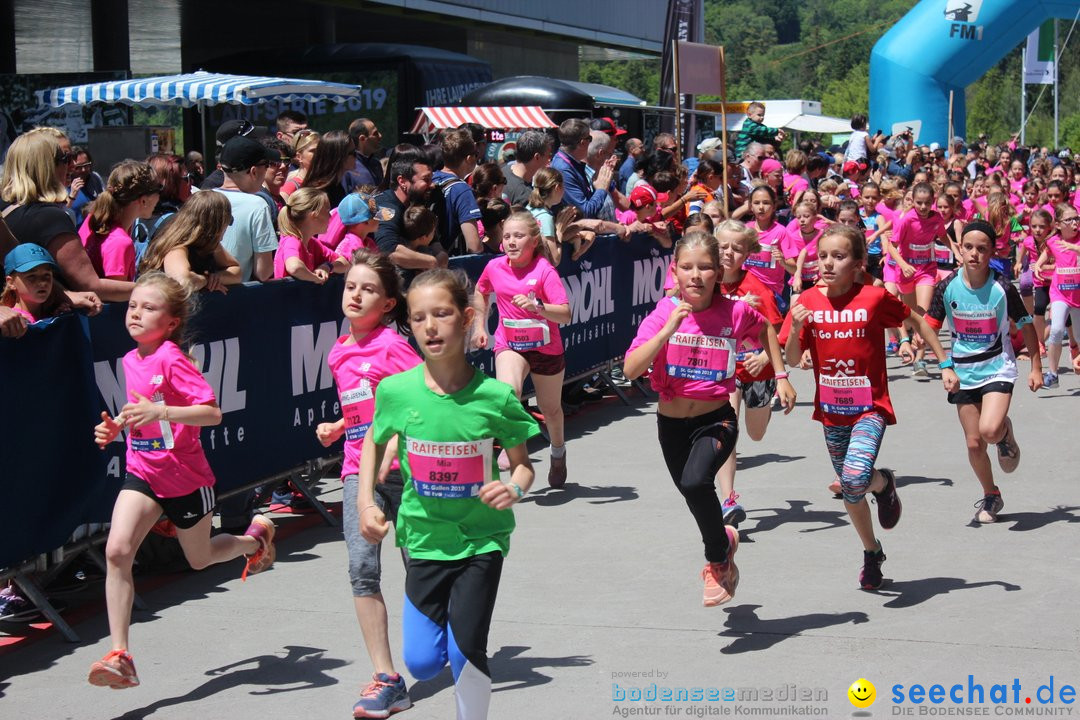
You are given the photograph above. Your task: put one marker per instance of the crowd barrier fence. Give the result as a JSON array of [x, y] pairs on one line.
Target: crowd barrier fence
[[263, 350]]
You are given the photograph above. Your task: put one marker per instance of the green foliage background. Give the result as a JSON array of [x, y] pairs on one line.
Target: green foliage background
[[774, 50]]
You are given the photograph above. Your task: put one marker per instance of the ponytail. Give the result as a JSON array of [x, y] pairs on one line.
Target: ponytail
[[129, 181], [299, 205]]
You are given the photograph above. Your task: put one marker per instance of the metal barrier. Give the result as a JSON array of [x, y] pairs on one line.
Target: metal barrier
[[263, 349]]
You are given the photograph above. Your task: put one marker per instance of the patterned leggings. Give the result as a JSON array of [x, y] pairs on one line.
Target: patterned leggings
[[853, 450]]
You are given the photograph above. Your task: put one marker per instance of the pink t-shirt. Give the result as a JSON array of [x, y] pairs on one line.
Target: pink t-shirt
[[167, 455], [1032, 249], [335, 232], [767, 270], [112, 255], [914, 237], [794, 184], [968, 208], [358, 368], [313, 255], [698, 361], [795, 243], [960, 211], [352, 243], [888, 213], [1065, 286], [522, 330]]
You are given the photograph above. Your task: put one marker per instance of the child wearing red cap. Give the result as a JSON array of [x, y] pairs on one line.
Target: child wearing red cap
[[644, 208]]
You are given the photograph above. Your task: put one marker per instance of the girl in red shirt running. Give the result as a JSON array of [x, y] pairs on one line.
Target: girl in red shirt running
[[842, 324]]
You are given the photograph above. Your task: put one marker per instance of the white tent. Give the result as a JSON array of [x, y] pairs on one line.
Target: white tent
[[798, 115]]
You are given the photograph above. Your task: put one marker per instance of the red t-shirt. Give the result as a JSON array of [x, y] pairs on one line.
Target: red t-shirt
[[846, 339], [766, 305]]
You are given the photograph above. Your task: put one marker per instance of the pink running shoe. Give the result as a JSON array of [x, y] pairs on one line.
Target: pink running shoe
[[721, 579], [262, 529]]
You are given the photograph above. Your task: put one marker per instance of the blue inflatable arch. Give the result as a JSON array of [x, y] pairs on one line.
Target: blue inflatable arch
[[943, 45]]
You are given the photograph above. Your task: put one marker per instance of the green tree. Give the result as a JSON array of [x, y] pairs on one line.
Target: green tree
[[848, 95], [742, 30], [638, 77]]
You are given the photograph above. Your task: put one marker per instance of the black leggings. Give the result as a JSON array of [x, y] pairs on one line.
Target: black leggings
[[694, 449], [1042, 301]]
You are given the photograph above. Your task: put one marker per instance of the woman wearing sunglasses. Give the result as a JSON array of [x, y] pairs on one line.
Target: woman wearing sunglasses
[[33, 204]]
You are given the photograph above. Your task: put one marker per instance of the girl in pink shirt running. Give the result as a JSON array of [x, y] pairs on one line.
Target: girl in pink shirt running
[[131, 194], [692, 341], [1041, 225], [371, 351], [532, 303], [768, 263], [168, 402], [1064, 248], [800, 248]]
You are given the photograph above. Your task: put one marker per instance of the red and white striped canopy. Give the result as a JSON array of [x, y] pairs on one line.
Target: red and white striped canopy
[[433, 119]]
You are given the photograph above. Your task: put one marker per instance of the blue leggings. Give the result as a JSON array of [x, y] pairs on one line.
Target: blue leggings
[[853, 450], [446, 616]]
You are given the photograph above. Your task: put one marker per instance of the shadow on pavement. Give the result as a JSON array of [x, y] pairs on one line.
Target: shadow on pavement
[[598, 495], [752, 633], [510, 670], [905, 480], [301, 668], [1024, 521], [745, 462], [86, 610], [909, 593], [796, 512]]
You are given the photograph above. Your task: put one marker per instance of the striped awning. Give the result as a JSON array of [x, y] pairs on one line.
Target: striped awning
[[432, 119], [198, 89]]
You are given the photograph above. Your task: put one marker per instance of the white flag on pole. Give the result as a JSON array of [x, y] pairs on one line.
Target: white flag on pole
[[1040, 69]]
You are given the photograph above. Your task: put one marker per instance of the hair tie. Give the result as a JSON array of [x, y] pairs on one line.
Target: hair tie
[[980, 226]]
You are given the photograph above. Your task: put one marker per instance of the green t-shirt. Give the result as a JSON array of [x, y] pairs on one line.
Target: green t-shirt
[[445, 447]]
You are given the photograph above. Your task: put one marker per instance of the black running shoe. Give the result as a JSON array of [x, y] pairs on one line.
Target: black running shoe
[[888, 502], [870, 578]]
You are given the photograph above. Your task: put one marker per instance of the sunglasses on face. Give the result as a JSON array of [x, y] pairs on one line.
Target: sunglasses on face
[[63, 158], [83, 165]]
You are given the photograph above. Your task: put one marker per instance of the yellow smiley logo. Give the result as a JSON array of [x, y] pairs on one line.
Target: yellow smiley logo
[[862, 693]]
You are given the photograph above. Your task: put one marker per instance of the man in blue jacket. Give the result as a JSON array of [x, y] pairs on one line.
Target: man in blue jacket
[[574, 138]]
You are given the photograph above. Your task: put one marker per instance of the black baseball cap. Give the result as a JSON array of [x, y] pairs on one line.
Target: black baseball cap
[[241, 153]]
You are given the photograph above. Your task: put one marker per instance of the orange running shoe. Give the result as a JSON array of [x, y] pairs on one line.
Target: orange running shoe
[[116, 670]]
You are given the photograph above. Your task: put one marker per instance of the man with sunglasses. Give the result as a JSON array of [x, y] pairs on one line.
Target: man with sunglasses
[[85, 185], [251, 238]]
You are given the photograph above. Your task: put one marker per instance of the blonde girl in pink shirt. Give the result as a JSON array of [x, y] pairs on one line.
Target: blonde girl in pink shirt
[[167, 471], [299, 255], [532, 303]]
